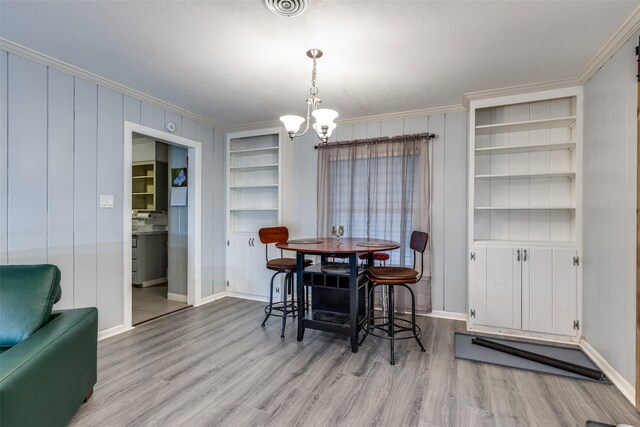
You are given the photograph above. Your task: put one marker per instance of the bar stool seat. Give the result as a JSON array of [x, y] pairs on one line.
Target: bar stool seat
[[393, 274], [282, 265], [388, 326]]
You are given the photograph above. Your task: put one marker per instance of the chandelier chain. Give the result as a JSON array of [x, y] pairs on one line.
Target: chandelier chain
[[314, 89]]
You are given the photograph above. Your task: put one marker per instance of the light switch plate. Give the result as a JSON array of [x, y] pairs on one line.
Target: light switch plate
[[107, 201]]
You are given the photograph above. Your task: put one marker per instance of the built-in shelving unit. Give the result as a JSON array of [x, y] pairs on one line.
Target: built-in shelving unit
[[253, 201], [148, 186], [253, 181], [525, 213]]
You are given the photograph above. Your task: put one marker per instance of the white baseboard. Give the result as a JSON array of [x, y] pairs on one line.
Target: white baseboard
[[627, 389], [247, 296], [176, 297], [448, 315], [212, 298], [107, 333], [153, 282]]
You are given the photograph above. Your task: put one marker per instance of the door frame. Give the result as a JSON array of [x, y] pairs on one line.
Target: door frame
[[194, 213], [638, 240]]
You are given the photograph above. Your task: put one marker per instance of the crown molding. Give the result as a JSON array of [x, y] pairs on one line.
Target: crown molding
[[616, 41], [48, 61], [515, 90]]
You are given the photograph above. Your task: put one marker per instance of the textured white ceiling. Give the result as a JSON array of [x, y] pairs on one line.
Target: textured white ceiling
[[237, 64]]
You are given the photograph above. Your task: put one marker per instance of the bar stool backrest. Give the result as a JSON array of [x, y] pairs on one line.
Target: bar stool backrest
[[273, 235], [418, 243]]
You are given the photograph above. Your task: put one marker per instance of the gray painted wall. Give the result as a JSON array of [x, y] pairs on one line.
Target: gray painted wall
[[61, 146], [609, 250], [448, 230]]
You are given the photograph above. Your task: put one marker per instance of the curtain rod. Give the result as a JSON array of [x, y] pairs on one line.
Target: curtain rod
[[398, 138]]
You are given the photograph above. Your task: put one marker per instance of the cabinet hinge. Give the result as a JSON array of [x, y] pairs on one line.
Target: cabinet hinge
[[576, 324], [473, 312], [472, 256], [576, 260]]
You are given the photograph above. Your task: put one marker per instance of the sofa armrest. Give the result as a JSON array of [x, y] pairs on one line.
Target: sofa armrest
[[44, 379]]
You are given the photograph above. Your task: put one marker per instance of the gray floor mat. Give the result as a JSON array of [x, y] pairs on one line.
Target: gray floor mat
[[465, 349]]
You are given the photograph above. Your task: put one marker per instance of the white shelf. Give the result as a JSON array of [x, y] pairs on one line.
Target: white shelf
[[252, 187], [254, 152], [528, 175], [142, 194], [254, 168], [143, 177], [523, 207], [526, 125], [536, 243], [525, 148]]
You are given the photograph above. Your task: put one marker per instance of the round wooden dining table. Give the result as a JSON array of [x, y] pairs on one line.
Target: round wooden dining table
[[322, 295]]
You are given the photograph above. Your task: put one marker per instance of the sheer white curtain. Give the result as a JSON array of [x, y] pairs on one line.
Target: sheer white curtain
[[380, 189]]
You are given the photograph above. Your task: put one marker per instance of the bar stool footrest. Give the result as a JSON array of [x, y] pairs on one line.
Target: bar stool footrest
[[398, 329]]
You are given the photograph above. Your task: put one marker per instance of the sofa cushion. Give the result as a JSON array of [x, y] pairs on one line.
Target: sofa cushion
[[27, 294]]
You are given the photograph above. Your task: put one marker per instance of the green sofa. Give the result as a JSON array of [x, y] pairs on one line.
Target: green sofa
[[48, 359]]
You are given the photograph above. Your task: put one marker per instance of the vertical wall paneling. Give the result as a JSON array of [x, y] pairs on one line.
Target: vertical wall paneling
[[219, 212], [177, 238], [176, 119], [392, 127], [413, 125], [205, 136], [27, 163], [178, 221], [152, 116], [85, 193], [609, 250], [132, 109], [4, 196], [60, 181], [109, 220], [437, 126], [455, 209]]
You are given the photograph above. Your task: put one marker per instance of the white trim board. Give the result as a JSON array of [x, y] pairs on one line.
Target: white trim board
[[625, 387], [212, 298], [176, 297], [439, 314], [116, 330]]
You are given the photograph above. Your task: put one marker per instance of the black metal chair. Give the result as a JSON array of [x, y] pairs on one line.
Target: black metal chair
[[286, 266], [394, 328]]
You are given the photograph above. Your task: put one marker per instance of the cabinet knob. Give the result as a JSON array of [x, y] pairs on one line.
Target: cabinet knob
[[518, 256], [524, 256]]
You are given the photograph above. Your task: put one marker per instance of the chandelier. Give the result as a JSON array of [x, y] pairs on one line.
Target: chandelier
[[324, 117]]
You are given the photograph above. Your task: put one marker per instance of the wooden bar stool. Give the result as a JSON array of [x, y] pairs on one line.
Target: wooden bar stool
[[396, 328], [282, 265]]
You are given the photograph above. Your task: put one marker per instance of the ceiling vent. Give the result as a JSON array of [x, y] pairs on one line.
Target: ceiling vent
[[287, 7]]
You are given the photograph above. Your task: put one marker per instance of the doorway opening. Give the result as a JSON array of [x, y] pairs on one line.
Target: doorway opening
[[162, 217], [159, 228]]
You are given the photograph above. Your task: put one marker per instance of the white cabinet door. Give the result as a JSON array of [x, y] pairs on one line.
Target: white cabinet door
[[478, 286], [503, 287], [550, 291], [246, 265], [537, 290], [239, 263]]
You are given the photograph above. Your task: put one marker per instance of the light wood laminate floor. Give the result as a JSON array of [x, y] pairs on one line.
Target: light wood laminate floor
[[149, 303], [215, 365]]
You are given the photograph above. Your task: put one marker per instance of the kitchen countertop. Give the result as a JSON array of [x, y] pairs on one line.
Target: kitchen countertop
[[138, 233]]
